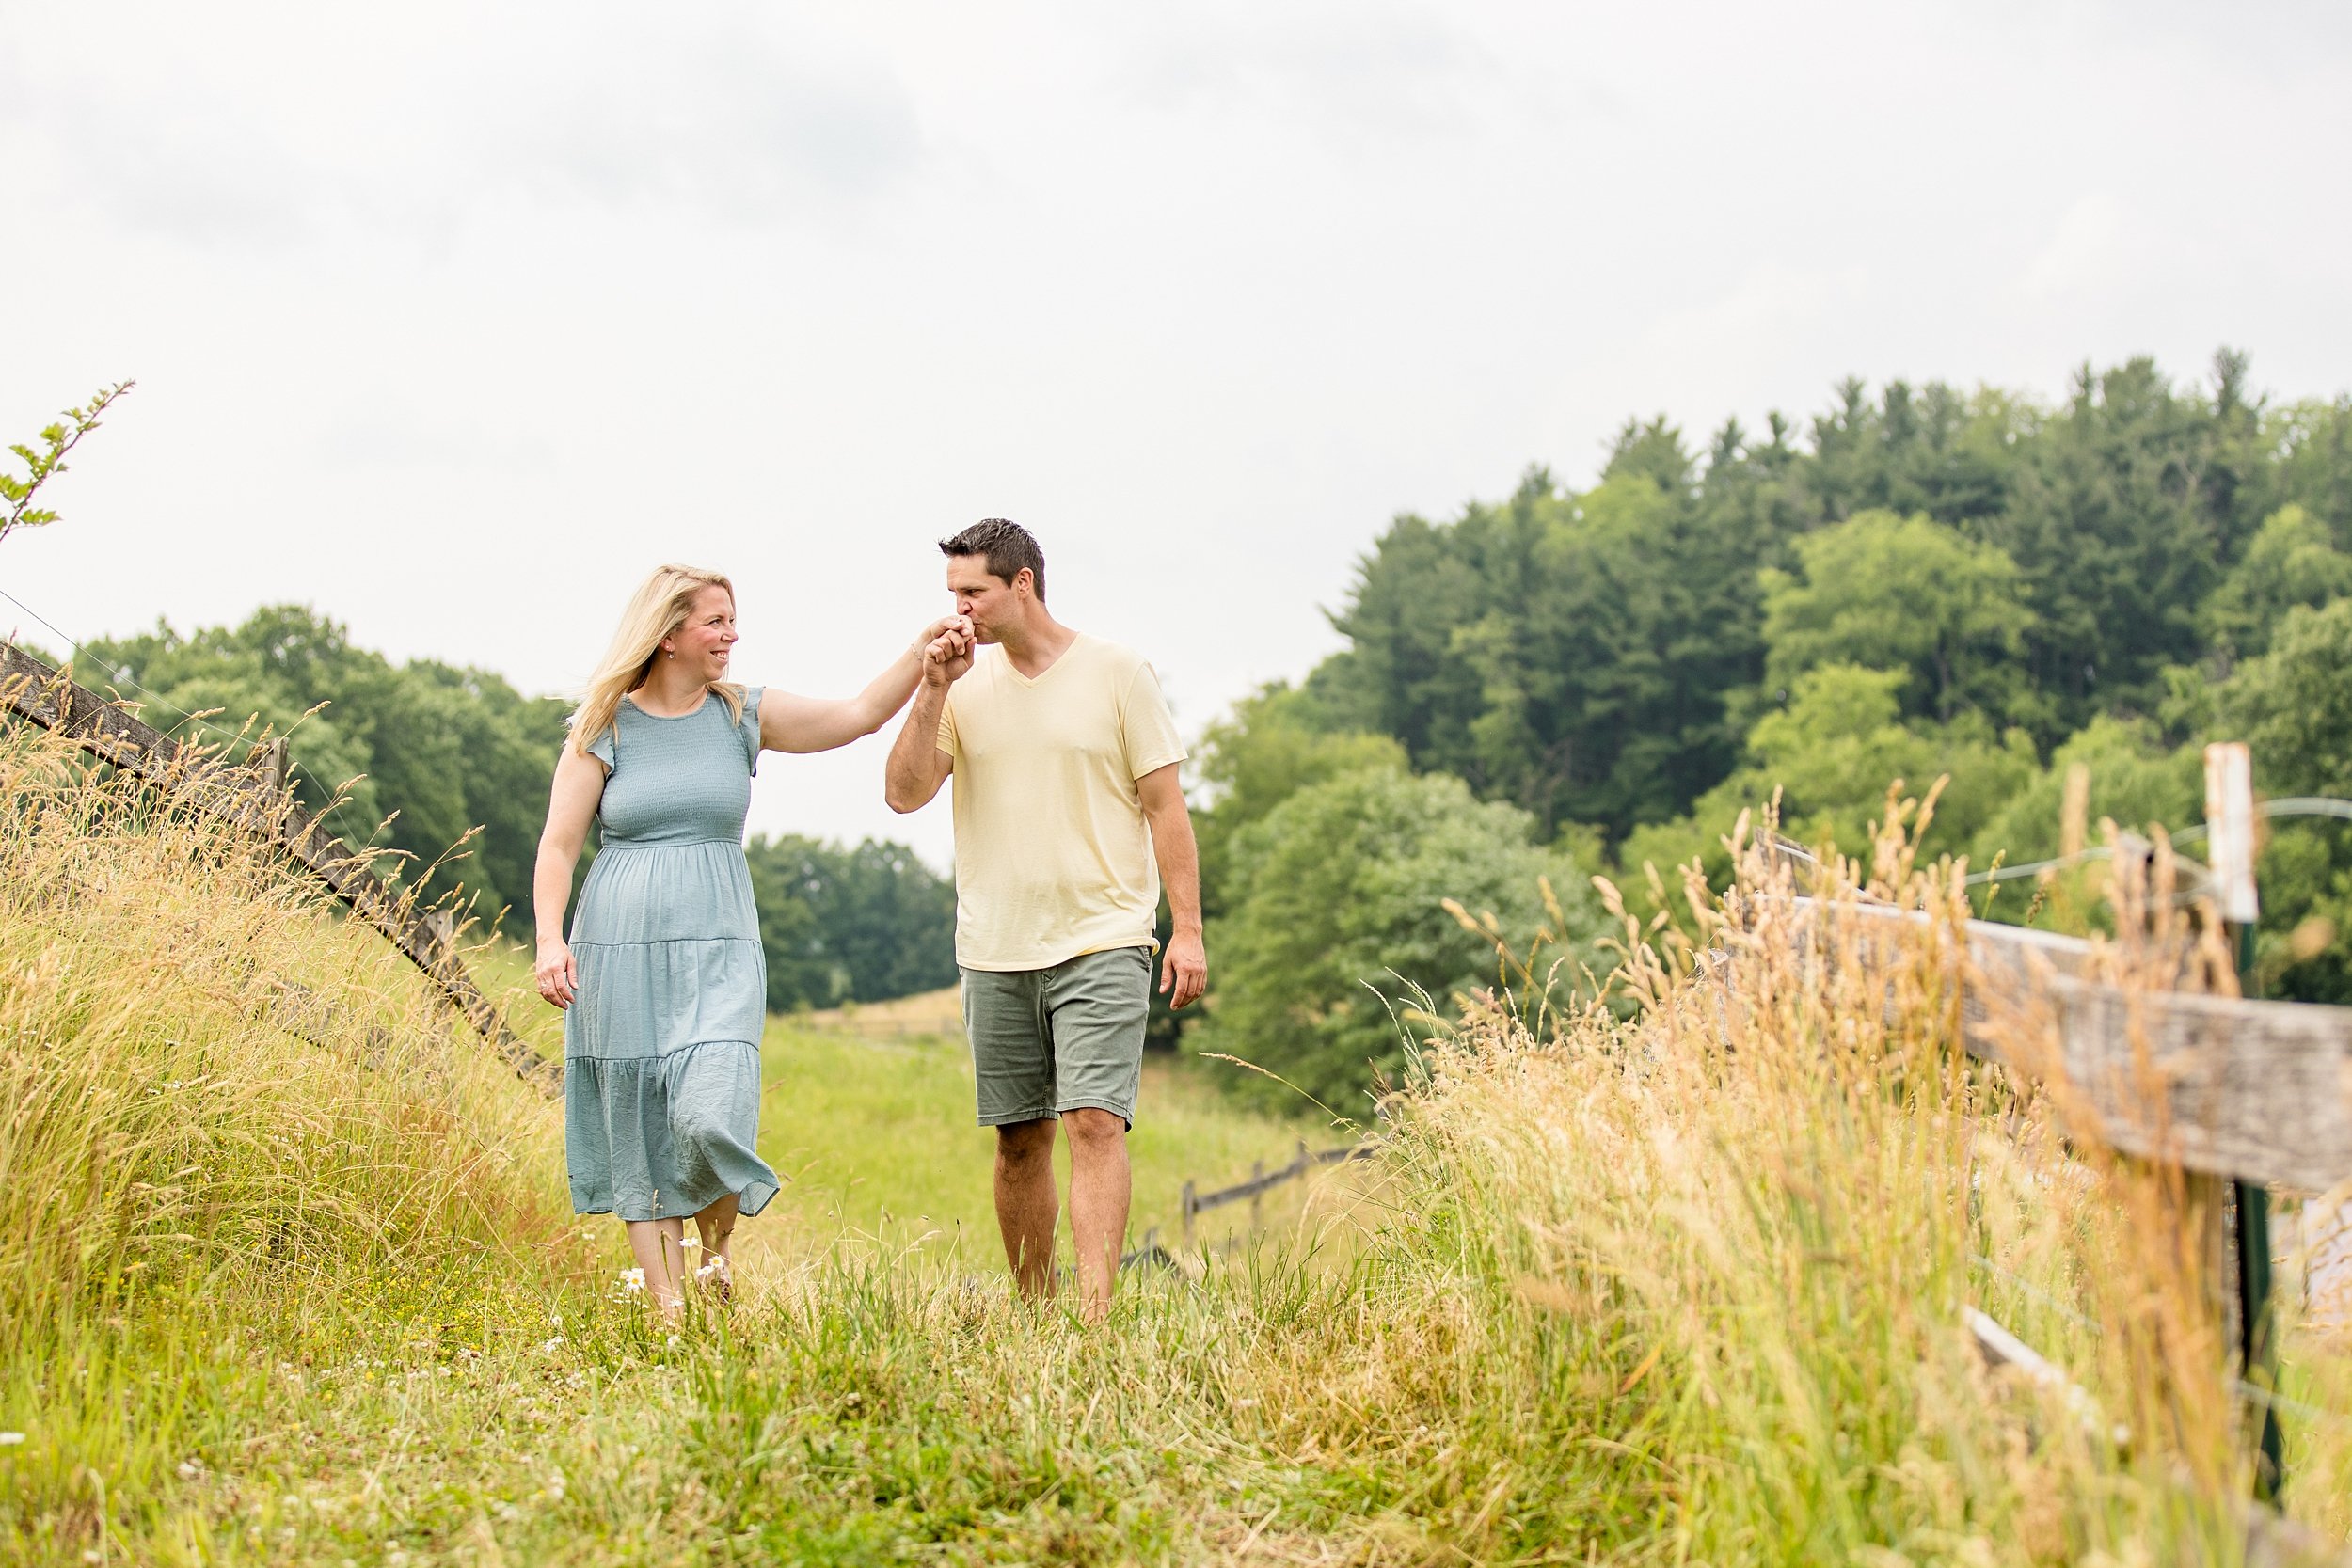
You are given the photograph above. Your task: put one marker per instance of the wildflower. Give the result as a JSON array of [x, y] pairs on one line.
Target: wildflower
[[10, 1439], [632, 1279], [690, 1242], [551, 1346], [675, 1341]]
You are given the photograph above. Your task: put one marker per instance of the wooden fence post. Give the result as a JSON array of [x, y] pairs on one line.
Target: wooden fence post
[[31, 691], [1188, 1209], [2230, 842], [1257, 1199]]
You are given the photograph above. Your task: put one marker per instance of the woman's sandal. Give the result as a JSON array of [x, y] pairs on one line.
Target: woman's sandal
[[717, 1277]]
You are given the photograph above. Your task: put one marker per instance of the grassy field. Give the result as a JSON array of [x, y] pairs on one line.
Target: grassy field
[[287, 1275], [874, 1133]]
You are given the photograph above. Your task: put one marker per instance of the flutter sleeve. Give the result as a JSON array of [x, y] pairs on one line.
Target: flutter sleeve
[[749, 728]]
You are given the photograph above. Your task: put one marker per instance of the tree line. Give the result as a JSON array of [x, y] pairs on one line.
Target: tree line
[[1920, 581], [448, 767]]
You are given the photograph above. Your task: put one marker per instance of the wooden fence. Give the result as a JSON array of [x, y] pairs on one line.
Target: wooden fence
[[252, 795], [1150, 1253], [2245, 1093], [1195, 1203], [2252, 1093]]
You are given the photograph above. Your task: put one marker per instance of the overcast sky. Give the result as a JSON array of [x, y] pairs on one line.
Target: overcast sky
[[451, 320]]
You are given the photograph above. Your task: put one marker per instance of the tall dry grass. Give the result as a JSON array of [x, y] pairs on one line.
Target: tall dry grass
[[287, 1274], [225, 1113], [1759, 1208]]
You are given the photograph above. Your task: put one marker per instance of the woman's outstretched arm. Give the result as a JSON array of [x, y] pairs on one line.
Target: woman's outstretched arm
[[790, 723], [571, 806]]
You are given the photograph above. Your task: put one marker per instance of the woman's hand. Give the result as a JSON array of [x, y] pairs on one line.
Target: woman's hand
[[921, 646], [946, 651], [558, 975]]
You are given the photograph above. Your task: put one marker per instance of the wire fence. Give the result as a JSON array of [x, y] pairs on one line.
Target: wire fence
[[327, 795], [252, 798]]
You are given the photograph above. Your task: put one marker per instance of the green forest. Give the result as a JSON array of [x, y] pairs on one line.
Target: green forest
[[1918, 582], [413, 759]]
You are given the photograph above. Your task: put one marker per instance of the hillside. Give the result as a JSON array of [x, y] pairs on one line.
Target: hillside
[[289, 1279]]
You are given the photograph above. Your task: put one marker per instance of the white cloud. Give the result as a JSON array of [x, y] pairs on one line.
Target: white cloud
[[1384, 77], [739, 125], [2089, 250], [452, 319]]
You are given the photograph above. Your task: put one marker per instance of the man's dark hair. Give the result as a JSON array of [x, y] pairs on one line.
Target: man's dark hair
[[1007, 546]]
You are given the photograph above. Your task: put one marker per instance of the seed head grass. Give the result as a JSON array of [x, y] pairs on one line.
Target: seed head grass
[[287, 1274]]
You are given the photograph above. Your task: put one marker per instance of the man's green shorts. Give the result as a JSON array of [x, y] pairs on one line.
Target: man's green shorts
[[1049, 1041]]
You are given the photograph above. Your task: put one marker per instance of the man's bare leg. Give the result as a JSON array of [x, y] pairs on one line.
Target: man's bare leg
[[1027, 1205], [1100, 1187]]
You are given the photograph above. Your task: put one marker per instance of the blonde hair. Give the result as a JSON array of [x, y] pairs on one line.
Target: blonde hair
[[656, 610]]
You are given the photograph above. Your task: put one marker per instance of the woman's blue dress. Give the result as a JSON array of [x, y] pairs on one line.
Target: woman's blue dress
[[662, 1043]]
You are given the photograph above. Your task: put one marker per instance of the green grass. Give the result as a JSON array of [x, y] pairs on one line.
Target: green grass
[[286, 1282], [876, 1138]]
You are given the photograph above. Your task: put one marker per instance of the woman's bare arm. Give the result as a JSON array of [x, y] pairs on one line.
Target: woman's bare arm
[[793, 723], [571, 806]]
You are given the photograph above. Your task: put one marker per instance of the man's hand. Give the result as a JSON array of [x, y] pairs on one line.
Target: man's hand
[[557, 975], [931, 634], [1184, 975], [948, 656]]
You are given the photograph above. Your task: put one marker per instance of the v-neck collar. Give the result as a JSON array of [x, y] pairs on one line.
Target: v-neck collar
[[1059, 659]]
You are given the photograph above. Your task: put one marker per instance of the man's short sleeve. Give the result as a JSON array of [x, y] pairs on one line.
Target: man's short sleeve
[[1146, 728]]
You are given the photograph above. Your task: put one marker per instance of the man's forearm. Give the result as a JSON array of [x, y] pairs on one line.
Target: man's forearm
[[1180, 867], [909, 778]]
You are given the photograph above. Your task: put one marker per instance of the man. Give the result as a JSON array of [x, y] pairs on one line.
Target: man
[[1069, 820]]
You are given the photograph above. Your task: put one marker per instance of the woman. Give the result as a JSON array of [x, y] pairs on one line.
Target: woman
[[663, 984]]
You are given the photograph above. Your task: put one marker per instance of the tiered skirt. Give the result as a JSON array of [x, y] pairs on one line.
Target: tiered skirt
[[662, 1043]]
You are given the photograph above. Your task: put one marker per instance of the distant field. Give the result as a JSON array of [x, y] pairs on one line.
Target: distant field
[[932, 1012], [869, 1117], [877, 1138]]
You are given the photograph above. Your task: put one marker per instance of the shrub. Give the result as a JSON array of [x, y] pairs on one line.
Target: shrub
[[1338, 915]]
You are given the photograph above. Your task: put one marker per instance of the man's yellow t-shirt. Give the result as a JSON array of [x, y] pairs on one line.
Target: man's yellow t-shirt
[[1053, 854]]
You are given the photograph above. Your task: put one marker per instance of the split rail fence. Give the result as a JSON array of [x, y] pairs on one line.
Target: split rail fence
[[2242, 1094], [1194, 1203], [2248, 1093], [253, 796]]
